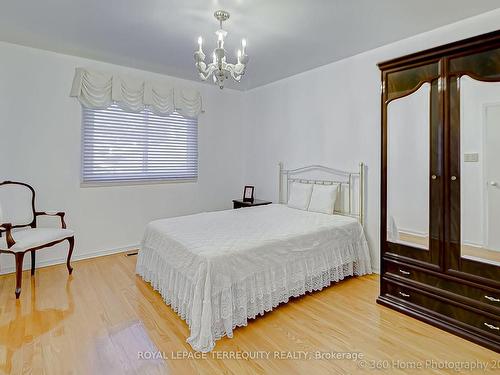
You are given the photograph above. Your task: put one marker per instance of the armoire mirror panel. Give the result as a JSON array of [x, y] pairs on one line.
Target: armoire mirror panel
[[408, 169], [480, 169]]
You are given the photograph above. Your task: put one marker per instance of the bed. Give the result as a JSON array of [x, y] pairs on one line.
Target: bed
[[219, 269]]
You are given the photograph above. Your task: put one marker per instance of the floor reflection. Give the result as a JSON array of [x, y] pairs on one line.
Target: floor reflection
[[126, 349], [20, 330]]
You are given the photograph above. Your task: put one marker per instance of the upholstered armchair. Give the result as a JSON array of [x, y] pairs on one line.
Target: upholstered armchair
[[19, 233]]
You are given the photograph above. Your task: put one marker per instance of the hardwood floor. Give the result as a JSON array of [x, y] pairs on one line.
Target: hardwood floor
[[103, 318], [467, 250]]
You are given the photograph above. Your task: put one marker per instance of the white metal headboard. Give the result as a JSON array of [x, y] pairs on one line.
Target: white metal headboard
[[347, 181]]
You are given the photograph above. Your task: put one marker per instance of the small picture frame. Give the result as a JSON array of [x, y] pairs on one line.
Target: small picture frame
[[248, 194]]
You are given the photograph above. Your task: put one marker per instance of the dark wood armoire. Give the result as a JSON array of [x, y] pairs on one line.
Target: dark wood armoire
[[440, 187]]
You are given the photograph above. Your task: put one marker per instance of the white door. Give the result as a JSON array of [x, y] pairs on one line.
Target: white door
[[492, 175]]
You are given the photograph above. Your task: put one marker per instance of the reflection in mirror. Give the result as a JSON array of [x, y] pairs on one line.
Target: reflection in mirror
[[408, 159], [480, 170]]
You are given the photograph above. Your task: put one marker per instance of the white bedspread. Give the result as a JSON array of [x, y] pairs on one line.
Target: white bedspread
[[219, 269]]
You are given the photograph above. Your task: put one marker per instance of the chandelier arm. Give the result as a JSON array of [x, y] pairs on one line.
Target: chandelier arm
[[236, 71], [230, 69], [211, 68], [207, 71], [239, 69], [201, 69], [203, 77]]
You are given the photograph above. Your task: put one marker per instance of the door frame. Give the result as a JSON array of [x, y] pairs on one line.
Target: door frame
[[484, 113]]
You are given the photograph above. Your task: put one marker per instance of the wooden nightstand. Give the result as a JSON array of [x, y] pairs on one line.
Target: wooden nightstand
[[238, 203]]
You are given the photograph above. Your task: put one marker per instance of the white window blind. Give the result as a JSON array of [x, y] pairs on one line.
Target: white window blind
[[120, 146]]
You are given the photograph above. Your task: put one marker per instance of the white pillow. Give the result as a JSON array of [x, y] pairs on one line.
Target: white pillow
[[300, 195], [323, 198]]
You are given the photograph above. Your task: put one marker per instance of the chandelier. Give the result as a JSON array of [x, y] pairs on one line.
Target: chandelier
[[219, 68]]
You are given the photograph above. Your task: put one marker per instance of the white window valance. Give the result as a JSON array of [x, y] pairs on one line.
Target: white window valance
[[99, 90]]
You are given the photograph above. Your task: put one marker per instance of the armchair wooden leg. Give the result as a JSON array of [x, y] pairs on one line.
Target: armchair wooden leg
[[19, 273], [32, 262], [71, 241]]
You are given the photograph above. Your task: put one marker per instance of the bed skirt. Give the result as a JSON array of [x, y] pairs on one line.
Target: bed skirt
[[212, 313]]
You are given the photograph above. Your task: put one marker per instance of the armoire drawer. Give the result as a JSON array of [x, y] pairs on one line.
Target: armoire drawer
[[489, 300], [484, 322]]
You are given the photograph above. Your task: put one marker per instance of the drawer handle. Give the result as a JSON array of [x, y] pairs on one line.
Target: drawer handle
[[404, 272], [407, 295], [491, 326], [493, 299]]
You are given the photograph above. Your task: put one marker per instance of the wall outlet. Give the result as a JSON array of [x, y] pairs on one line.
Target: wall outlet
[[471, 157]]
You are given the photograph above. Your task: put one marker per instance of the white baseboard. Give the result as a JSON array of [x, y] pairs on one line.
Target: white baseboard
[[413, 233], [75, 257], [473, 244]]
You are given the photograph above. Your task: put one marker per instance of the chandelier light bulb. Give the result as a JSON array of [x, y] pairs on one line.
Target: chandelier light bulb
[[220, 39], [243, 44], [200, 41]]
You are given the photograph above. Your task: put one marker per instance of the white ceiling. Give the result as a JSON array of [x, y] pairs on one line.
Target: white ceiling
[[285, 37]]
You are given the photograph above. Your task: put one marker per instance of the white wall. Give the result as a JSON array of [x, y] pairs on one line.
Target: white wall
[[331, 115], [40, 144]]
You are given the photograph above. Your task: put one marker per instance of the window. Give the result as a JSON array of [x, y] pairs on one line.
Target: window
[[120, 146]]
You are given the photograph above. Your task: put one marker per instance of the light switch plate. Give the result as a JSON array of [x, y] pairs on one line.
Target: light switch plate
[[471, 157]]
